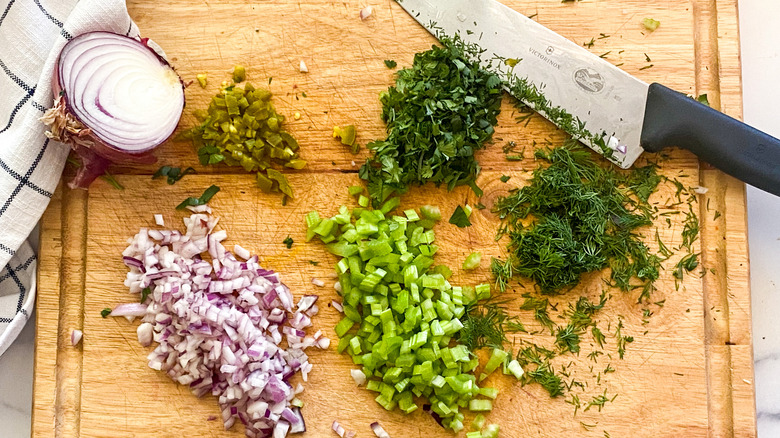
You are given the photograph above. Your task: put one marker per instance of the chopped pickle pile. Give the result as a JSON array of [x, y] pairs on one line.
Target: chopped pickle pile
[[402, 317], [242, 128]]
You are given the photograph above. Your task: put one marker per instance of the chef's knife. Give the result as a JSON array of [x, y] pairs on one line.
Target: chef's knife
[[622, 115]]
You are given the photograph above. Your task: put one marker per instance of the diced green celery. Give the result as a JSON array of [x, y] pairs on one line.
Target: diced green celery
[[433, 281], [352, 313], [491, 431], [342, 248], [354, 345], [482, 291], [478, 405], [467, 209], [456, 425], [443, 270], [356, 190], [342, 266], [497, 357], [474, 434], [344, 326], [343, 344], [374, 385], [478, 423], [488, 392], [363, 201], [411, 215], [430, 212], [390, 205], [406, 402], [460, 353], [515, 368], [472, 261], [325, 227]]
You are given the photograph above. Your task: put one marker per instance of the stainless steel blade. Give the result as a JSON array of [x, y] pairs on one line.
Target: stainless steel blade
[[609, 101]]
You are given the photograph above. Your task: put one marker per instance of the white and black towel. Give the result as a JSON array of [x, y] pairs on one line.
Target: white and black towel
[[32, 32]]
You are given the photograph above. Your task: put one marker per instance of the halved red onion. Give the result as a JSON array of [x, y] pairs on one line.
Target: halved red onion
[[116, 99]]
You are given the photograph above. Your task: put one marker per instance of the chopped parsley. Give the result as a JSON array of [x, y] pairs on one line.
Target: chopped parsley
[[460, 218], [105, 312], [390, 63], [173, 174], [441, 110], [288, 242], [204, 198], [505, 178], [145, 293]]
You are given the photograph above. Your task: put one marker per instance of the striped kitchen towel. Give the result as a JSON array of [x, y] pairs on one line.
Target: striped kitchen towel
[[32, 32]]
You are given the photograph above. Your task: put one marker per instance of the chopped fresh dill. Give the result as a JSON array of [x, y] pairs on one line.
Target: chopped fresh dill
[[560, 246]]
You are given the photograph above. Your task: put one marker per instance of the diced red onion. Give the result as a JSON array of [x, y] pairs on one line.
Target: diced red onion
[[302, 67], [219, 324], [339, 429], [366, 12], [129, 309], [158, 219], [350, 434], [338, 306], [317, 282], [378, 430], [358, 376], [145, 332], [699, 190], [115, 100], [75, 337]]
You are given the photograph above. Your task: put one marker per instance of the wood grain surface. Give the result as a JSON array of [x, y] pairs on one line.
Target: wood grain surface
[[689, 375]]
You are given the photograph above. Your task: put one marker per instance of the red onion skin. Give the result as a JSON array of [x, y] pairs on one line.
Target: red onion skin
[[96, 155]]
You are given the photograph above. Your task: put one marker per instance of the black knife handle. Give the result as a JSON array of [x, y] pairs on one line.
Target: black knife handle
[[674, 119]]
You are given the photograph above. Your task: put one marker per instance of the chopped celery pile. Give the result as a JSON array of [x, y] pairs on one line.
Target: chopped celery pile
[[242, 128], [401, 314]]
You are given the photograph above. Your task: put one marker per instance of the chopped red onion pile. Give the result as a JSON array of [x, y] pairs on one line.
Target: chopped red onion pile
[[115, 100], [219, 323]]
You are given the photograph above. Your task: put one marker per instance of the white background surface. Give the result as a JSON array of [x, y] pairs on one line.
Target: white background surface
[[760, 36]]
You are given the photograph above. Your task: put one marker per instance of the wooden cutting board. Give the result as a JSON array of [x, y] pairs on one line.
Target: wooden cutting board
[[689, 375]]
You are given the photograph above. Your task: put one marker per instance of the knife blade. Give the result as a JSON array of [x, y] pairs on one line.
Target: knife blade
[[614, 113]]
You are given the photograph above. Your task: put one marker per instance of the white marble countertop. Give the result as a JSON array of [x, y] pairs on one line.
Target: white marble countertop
[[760, 35]]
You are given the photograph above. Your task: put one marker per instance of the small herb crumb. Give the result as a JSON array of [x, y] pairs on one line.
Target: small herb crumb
[[288, 242], [202, 80], [703, 99], [314, 263], [650, 24], [173, 174], [105, 312], [504, 178], [390, 63]]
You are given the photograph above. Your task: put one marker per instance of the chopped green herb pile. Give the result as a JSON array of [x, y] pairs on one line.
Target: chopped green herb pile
[[441, 110], [173, 174], [204, 198], [242, 128], [402, 318], [583, 219]]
